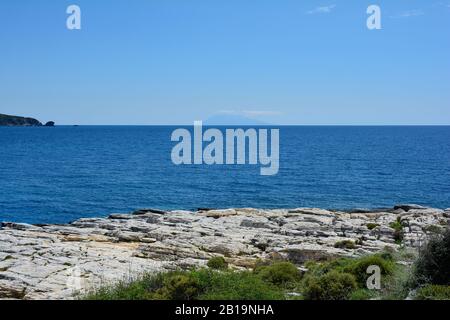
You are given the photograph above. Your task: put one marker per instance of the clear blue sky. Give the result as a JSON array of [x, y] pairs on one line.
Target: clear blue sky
[[175, 61]]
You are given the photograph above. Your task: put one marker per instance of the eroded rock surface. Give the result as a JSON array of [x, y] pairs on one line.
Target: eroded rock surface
[[55, 261]]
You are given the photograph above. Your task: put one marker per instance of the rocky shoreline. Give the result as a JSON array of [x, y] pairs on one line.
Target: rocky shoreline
[[55, 261]]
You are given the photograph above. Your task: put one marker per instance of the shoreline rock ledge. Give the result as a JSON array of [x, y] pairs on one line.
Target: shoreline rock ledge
[[56, 261]]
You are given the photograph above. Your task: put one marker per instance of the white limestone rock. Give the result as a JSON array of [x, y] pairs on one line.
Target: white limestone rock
[[53, 261]]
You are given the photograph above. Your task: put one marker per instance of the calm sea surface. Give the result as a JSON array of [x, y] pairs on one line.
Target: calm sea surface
[[56, 175]]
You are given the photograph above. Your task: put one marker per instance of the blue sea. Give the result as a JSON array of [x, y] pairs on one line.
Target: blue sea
[[56, 175]]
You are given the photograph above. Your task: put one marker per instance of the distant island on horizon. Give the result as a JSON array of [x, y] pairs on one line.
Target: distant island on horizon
[[17, 121]]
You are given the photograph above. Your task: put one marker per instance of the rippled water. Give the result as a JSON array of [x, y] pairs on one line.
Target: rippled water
[[55, 175]]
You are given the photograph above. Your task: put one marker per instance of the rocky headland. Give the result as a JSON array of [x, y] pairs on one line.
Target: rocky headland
[[52, 261], [16, 121]]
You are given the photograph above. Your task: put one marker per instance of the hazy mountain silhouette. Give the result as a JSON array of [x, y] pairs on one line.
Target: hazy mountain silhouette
[[232, 119]]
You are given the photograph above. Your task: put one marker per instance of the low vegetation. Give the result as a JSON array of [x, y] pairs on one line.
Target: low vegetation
[[269, 280], [433, 264], [372, 226], [345, 244], [398, 230], [433, 292], [201, 284], [332, 285], [426, 277], [217, 263], [280, 274]]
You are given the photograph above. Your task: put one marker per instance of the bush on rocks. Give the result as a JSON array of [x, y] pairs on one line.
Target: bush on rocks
[[279, 273], [330, 286], [345, 244], [363, 294], [358, 267], [398, 230], [179, 287], [433, 264], [200, 284], [243, 285], [372, 226], [217, 263], [433, 292]]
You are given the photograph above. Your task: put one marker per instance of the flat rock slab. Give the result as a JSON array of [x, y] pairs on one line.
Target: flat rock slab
[[61, 261]]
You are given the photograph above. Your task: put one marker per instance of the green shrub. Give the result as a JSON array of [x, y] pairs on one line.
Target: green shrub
[[433, 292], [136, 290], [398, 230], [243, 285], [433, 263], [331, 286], [163, 286], [355, 266], [179, 287], [358, 267], [217, 263], [345, 244], [260, 263], [279, 273], [387, 255], [396, 225], [396, 286], [363, 294], [192, 285], [342, 278], [433, 229], [398, 237], [317, 268], [372, 226]]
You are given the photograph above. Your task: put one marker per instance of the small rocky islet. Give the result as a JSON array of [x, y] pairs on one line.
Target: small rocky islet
[[41, 261]]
